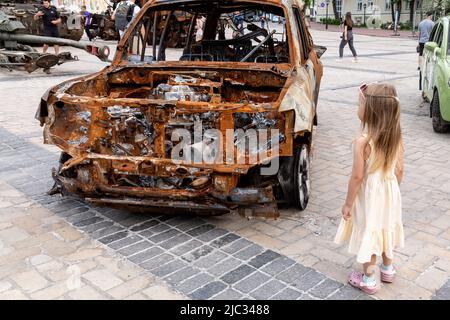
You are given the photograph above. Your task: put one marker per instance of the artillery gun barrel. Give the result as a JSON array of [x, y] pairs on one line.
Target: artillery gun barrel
[[101, 52]]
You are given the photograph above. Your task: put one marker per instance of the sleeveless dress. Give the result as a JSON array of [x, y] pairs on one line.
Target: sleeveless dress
[[375, 226]]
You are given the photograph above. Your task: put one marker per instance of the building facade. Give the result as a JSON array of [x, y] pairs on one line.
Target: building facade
[[374, 11], [75, 5]]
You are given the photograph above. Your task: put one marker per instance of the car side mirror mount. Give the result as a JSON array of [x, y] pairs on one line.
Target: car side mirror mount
[[431, 46]]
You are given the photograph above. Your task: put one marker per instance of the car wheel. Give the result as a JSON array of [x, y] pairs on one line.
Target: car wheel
[[439, 125], [302, 178]]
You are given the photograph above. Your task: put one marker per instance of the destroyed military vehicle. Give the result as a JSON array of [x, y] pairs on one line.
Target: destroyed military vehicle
[[224, 124]]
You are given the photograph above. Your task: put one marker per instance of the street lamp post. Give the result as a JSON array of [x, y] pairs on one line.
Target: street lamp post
[[364, 15], [326, 15]]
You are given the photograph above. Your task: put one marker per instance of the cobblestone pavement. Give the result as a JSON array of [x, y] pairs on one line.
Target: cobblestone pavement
[[224, 257], [364, 31]]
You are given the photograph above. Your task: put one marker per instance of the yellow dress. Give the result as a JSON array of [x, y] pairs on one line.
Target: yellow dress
[[376, 224]]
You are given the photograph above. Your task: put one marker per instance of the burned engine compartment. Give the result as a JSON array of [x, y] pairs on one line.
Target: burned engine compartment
[[120, 136]]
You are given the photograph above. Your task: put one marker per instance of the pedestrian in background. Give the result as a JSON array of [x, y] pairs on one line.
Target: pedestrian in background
[[50, 19], [372, 213], [425, 27], [347, 37], [124, 13], [87, 21]]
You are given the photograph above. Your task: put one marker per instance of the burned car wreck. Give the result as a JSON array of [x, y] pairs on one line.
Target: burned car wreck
[[224, 123]]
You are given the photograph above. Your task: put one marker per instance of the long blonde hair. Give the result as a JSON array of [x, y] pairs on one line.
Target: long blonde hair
[[382, 122]]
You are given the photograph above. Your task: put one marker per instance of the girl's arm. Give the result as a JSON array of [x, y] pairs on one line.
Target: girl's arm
[[399, 167], [345, 32], [356, 178]]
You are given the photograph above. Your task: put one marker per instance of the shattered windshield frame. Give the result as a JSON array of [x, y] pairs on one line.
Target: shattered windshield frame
[[210, 31]]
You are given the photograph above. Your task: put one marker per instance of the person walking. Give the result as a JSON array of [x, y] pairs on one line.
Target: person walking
[[347, 37], [372, 214], [425, 27], [125, 12], [87, 21], [50, 19]]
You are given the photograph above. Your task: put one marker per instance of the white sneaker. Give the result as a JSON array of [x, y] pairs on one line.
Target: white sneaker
[[355, 60], [339, 60]]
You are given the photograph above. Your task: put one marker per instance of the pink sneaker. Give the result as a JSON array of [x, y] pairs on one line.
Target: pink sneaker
[[356, 280], [387, 276]]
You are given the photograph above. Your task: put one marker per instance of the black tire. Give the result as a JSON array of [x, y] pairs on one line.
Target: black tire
[[302, 177], [439, 125]]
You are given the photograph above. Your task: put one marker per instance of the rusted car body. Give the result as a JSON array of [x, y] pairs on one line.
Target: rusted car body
[[118, 128]]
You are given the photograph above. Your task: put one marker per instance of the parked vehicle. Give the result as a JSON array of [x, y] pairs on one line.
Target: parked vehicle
[[436, 74], [224, 124]]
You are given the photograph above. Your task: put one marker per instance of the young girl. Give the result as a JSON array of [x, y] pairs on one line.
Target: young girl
[[372, 213]]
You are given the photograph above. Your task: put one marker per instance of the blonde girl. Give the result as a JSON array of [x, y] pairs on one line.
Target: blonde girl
[[372, 213]]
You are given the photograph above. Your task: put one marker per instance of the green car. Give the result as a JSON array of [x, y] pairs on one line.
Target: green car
[[436, 74]]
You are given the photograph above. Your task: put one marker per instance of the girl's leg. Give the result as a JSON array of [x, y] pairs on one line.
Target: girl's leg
[[369, 267], [386, 261], [352, 48], [341, 48]]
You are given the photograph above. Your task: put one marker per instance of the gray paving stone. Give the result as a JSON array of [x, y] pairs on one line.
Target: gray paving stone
[[145, 255], [105, 232], [175, 241], [252, 282], [178, 220], [181, 275], [187, 247], [164, 236], [208, 290], [118, 215], [135, 248], [212, 234], [64, 212], [324, 289], [308, 281], [97, 226], [89, 221], [346, 293], [249, 252], [80, 217], [198, 253], [236, 246], [169, 268], [237, 274], [134, 220], [116, 245], [264, 258], [194, 283], [225, 266], [364, 297], [225, 240], [144, 226], [200, 230], [114, 237], [150, 232], [191, 224], [157, 261], [267, 290], [211, 259], [287, 294], [277, 266], [293, 273], [228, 294]]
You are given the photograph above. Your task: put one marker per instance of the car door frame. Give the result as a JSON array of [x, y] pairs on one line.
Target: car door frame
[[429, 62]]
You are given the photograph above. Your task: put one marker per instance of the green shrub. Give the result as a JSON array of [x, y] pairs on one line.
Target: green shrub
[[335, 22]]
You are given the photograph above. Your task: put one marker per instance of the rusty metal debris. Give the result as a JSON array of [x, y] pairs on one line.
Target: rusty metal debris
[[120, 129]]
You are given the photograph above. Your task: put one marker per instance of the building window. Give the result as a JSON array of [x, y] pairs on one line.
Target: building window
[[370, 5], [358, 5], [387, 5], [339, 7]]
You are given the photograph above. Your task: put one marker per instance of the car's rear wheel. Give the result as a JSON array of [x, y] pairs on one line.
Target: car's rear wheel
[[302, 178], [439, 124]]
